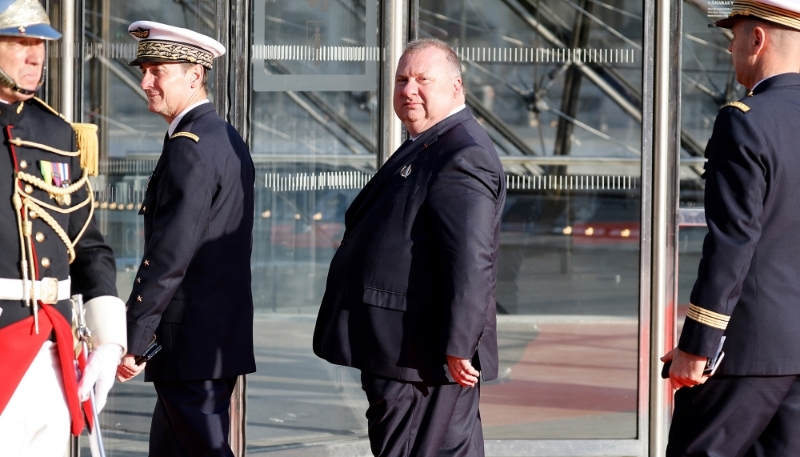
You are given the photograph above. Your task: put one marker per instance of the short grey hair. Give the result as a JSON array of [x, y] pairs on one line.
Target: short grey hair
[[420, 44]]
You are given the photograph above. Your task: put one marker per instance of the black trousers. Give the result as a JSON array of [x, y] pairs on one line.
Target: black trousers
[[411, 419], [192, 419], [737, 416]]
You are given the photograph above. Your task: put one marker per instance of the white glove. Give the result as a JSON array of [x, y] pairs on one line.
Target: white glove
[[99, 374]]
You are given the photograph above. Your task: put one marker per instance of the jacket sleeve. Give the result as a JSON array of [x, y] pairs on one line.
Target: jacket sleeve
[[183, 204], [736, 186], [463, 205]]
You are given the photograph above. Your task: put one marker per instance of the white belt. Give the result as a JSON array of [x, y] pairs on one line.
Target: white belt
[[48, 290]]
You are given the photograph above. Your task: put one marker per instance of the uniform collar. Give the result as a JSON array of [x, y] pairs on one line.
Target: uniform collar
[[783, 79], [174, 124]]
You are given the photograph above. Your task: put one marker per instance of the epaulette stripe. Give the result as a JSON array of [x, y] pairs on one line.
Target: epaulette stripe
[[187, 135], [744, 108], [708, 317]]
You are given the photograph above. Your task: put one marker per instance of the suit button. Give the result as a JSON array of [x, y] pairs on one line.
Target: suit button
[[45, 262], [28, 189], [39, 236], [23, 164]]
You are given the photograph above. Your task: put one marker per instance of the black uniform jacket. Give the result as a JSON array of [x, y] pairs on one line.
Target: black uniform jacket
[[414, 278], [748, 285], [192, 289], [93, 272]]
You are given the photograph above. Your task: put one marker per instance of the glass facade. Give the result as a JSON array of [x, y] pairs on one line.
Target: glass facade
[[559, 87]]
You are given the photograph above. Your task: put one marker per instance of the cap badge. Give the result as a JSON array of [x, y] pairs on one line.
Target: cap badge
[[21, 29], [140, 32]]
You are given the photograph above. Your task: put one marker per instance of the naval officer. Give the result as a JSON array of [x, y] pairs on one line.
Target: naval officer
[[50, 248], [192, 290], [748, 284]]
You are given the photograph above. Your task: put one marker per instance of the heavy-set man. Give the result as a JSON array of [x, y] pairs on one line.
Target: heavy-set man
[[410, 296], [748, 285], [50, 249], [192, 291]]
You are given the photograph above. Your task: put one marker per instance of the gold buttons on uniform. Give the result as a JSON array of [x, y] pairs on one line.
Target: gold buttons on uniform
[[32, 215], [23, 164], [39, 236], [45, 262], [28, 189]]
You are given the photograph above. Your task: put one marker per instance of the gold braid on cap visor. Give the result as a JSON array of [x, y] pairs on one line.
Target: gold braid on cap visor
[[767, 12], [171, 51]]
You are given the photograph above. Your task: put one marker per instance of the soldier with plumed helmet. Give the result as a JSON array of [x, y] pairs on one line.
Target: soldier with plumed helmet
[[50, 249]]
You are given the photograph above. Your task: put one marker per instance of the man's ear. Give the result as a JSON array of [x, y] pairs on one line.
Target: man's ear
[[197, 75], [458, 88], [758, 39]]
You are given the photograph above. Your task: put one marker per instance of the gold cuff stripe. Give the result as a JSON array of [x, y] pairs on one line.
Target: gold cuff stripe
[[187, 135], [767, 12], [708, 317]]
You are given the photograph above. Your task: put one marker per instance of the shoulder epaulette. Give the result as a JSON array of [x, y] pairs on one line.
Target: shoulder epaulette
[[187, 135], [744, 108]]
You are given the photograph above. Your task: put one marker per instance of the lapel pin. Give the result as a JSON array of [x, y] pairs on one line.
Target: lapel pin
[[405, 171]]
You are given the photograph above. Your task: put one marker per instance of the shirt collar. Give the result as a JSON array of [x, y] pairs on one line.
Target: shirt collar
[[455, 110], [174, 124]]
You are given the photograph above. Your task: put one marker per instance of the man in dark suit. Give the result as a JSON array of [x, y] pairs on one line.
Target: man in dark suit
[[748, 285], [192, 291], [410, 297]]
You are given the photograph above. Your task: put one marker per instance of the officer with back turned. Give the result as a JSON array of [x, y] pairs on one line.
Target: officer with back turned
[[748, 285]]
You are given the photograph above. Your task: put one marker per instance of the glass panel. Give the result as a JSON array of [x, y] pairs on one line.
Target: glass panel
[[708, 82], [314, 133], [131, 138], [558, 85]]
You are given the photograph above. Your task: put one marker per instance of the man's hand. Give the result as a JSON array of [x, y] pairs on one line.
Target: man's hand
[[462, 371], [99, 374], [128, 369], [686, 369]]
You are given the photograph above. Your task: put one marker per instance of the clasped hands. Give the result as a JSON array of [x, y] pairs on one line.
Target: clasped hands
[[686, 370]]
